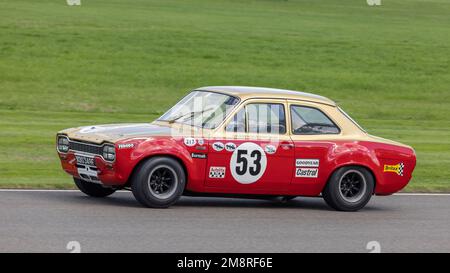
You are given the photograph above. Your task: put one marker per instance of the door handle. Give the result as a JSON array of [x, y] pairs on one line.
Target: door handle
[[287, 145]]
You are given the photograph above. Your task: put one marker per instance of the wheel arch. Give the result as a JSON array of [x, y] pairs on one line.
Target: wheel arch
[[144, 159], [351, 164]]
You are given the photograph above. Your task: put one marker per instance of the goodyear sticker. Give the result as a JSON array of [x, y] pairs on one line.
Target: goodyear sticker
[[306, 162], [398, 169]]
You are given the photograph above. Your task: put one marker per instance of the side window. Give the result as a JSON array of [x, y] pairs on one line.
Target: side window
[[311, 121], [263, 118], [266, 118]]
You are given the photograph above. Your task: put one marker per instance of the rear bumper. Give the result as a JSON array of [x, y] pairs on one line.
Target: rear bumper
[[394, 180]]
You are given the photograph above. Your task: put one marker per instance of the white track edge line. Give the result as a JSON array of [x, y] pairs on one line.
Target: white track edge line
[[43, 190], [122, 191]]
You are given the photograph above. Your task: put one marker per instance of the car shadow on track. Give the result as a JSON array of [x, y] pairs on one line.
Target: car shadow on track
[[124, 199], [298, 203]]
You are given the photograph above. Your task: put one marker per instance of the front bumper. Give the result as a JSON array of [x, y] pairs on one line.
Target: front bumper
[[106, 173]]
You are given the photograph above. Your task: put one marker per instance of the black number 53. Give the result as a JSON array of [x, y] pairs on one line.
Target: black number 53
[[242, 166]]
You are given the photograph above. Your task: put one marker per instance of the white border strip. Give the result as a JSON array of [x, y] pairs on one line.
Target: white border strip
[[422, 194], [44, 190]]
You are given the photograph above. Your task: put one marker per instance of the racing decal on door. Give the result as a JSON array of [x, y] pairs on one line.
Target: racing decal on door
[[270, 149], [218, 146], [190, 141], [310, 163], [198, 155], [248, 163], [306, 167], [230, 147], [307, 172], [217, 172]]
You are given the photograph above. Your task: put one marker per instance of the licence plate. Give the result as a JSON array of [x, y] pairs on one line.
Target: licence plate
[[84, 160]]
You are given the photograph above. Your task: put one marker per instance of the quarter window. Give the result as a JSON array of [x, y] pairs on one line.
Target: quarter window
[[311, 121], [237, 123]]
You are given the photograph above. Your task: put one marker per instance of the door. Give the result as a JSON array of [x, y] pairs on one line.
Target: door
[[314, 135], [253, 152]]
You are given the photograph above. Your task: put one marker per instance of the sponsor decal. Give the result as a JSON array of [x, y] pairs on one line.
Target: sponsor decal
[[199, 156], [189, 141], [398, 169], [126, 146], [200, 141], [217, 172], [305, 162], [248, 163], [270, 149], [218, 146], [230, 147], [307, 172]]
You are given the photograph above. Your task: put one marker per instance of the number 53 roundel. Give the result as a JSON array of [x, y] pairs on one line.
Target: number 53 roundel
[[248, 163]]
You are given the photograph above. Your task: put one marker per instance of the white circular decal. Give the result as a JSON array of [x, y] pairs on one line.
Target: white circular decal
[[189, 141], [230, 147], [218, 146], [200, 141], [248, 163], [270, 149]]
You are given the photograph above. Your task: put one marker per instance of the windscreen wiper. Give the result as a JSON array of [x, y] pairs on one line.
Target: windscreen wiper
[[190, 115]]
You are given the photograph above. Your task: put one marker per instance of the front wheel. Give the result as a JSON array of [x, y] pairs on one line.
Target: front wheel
[[158, 182], [92, 189], [349, 188]]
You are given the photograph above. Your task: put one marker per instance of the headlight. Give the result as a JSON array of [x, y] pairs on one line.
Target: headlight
[[63, 144], [109, 152]]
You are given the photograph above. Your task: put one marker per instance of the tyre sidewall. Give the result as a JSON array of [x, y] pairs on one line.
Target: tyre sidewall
[[332, 192], [141, 189]]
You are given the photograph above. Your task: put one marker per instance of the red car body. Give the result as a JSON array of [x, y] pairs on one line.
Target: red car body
[[390, 163]]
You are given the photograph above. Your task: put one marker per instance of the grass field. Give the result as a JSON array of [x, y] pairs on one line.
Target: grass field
[[128, 61]]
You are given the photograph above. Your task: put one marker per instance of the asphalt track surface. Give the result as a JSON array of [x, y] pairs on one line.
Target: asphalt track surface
[[45, 221]]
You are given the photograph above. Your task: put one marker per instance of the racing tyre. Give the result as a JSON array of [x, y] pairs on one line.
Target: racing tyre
[[158, 182], [92, 189], [349, 188]]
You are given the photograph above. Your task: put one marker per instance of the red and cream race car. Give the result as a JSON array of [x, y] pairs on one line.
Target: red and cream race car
[[239, 141]]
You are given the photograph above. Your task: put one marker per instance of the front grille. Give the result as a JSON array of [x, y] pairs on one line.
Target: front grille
[[86, 148]]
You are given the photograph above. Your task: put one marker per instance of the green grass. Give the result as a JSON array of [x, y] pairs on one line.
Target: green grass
[[128, 61]]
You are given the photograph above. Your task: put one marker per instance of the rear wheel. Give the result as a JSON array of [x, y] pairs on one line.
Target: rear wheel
[[92, 189], [159, 182], [349, 188]]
